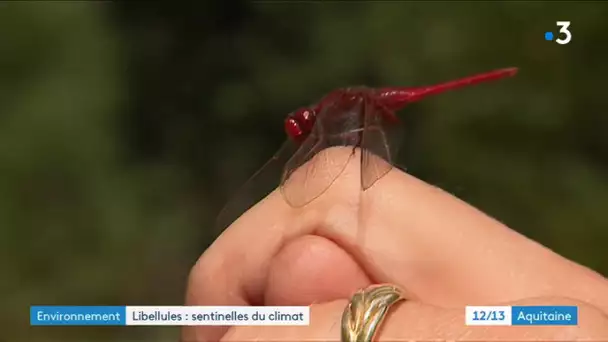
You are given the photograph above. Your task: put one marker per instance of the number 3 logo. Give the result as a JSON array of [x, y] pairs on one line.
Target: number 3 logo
[[564, 30]]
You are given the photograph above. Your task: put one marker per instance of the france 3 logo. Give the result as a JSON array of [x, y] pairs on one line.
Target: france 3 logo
[[563, 37]]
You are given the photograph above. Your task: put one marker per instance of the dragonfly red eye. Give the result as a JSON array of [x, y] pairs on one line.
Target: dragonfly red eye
[[299, 124], [306, 117], [293, 129]]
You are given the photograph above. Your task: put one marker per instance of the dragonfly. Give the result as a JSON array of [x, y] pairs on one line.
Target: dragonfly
[[359, 117]]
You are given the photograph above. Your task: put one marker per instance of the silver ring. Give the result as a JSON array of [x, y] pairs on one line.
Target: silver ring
[[366, 310]]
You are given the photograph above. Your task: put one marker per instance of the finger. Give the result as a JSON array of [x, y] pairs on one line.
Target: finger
[[312, 269], [415, 236], [413, 321], [440, 249], [306, 270], [234, 269]]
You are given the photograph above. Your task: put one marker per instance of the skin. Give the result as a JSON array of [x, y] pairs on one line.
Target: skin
[[444, 253]]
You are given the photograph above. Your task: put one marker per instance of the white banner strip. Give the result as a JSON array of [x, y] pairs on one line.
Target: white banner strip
[[488, 315], [217, 315]]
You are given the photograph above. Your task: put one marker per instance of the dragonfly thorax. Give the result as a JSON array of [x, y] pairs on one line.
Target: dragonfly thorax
[[340, 111]]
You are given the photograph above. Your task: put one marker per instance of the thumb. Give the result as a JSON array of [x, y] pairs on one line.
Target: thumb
[[312, 269]]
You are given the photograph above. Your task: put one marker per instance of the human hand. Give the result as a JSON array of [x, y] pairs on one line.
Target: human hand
[[444, 253]]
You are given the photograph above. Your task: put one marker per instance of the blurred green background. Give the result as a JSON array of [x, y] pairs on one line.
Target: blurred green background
[[125, 127]]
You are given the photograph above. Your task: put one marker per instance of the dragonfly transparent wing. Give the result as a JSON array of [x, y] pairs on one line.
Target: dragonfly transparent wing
[[380, 141], [379, 148], [311, 171], [264, 181]]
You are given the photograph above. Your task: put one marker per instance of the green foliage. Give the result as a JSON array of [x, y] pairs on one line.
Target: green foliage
[[76, 225]]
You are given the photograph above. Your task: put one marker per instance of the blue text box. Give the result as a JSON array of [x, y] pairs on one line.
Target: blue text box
[[78, 315], [544, 315]]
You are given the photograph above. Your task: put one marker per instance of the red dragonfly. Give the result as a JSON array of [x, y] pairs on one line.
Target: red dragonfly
[[360, 117]]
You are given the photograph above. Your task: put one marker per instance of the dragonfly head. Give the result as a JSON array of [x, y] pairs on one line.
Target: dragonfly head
[[299, 123]]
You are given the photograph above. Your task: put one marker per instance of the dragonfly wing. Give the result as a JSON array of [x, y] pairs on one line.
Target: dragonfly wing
[[312, 170], [264, 181], [379, 145]]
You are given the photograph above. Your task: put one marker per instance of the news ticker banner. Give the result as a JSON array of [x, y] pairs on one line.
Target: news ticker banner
[[521, 315], [169, 315], [270, 315]]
